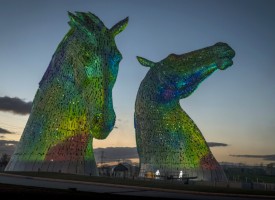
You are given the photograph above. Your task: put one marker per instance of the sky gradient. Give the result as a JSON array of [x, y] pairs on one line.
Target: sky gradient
[[235, 106]]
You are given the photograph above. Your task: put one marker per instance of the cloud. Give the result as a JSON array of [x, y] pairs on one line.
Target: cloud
[[112, 154], [7, 146], [264, 157], [15, 105], [4, 131], [216, 144]]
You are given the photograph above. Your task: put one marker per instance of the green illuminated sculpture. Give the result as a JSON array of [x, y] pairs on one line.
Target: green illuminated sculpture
[[74, 103], [169, 143]]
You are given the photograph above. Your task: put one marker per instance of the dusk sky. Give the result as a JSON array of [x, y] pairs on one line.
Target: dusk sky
[[235, 107]]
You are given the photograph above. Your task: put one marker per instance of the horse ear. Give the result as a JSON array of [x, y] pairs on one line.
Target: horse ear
[[95, 18], [74, 20], [145, 62], [120, 26]]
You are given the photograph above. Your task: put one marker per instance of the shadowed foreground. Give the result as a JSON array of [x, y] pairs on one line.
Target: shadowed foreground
[[46, 193], [54, 184]]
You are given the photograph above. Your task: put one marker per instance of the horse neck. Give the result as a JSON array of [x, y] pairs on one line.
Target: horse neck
[[148, 103], [52, 134], [57, 115]]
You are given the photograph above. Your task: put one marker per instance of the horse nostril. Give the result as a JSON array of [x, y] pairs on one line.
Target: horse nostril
[[232, 53], [97, 118]]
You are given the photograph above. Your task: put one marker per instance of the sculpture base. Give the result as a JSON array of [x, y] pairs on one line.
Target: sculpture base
[[197, 174], [87, 168]]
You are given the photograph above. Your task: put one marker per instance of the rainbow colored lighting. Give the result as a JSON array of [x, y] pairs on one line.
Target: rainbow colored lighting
[[73, 103], [168, 141]]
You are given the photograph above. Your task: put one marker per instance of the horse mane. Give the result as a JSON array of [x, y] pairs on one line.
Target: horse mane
[[81, 22]]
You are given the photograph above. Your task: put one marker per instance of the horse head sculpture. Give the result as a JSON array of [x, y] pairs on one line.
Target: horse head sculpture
[[168, 141], [180, 75], [73, 104]]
